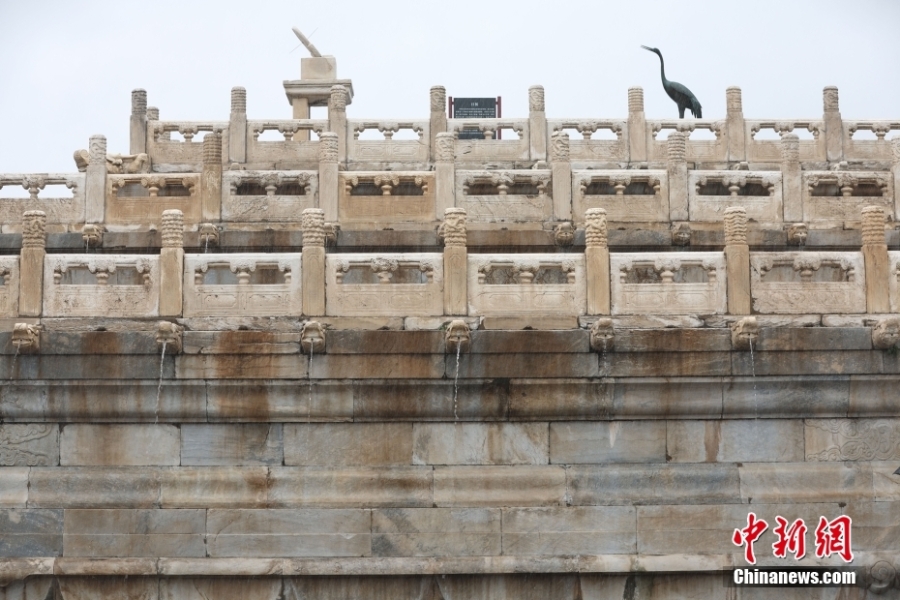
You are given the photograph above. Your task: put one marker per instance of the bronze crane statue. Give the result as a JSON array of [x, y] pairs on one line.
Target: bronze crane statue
[[683, 97]]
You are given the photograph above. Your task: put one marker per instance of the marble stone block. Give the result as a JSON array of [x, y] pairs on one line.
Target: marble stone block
[[13, 486], [205, 445], [30, 532], [612, 442], [279, 401], [754, 397], [852, 439], [29, 445], [83, 444], [480, 444], [213, 487], [659, 398], [218, 588], [436, 532], [762, 440], [348, 444], [349, 487], [806, 482], [430, 400], [653, 484], [569, 530], [876, 525], [551, 399], [77, 487], [499, 486]]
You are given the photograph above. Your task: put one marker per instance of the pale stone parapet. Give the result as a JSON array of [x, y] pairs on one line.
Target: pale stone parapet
[[9, 290], [95, 180], [737, 260], [237, 126], [526, 284], [505, 195], [63, 210], [329, 157], [561, 176], [211, 178], [138, 137], [676, 168], [444, 172], [585, 151], [179, 155], [858, 189], [875, 256], [386, 284], [734, 125], [383, 197], [293, 149], [710, 193], [251, 285], [388, 151], [31, 263], [127, 204], [646, 202], [596, 262], [313, 261], [673, 283], [834, 128], [770, 151], [697, 151], [878, 149], [453, 231], [268, 196], [808, 282], [537, 123], [337, 118], [637, 126], [112, 285], [477, 152], [171, 264], [438, 119], [791, 178]]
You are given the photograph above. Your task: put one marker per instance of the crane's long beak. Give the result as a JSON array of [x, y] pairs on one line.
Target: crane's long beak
[[647, 48]]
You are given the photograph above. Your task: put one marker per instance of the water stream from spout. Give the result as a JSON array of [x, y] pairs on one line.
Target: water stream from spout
[[309, 398], [12, 368], [456, 383], [206, 244], [753, 374], [162, 359]]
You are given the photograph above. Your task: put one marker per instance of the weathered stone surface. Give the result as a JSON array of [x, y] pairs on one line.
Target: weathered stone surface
[[653, 484], [82, 445], [219, 588], [660, 398], [240, 342], [876, 525], [612, 442], [29, 532], [673, 340], [385, 342], [121, 588], [13, 486], [93, 487], [852, 439], [382, 366], [436, 532], [822, 362], [99, 342], [805, 482], [121, 366], [148, 545], [241, 366], [350, 444], [523, 365], [399, 400], [358, 488], [757, 440], [499, 486], [480, 444], [813, 338], [668, 364], [231, 445], [34, 444], [295, 532], [274, 401], [886, 480], [539, 322], [797, 396], [542, 342], [549, 399], [569, 530], [213, 487]]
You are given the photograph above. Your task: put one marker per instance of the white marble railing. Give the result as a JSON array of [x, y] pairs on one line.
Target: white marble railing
[[386, 284], [268, 196], [669, 283], [504, 196], [295, 147], [877, 149], [388, 149], [696, 150], [141, 198], [807, 282], [164, 150], [504, 284], [386, 197], [627, 196], [770, 151], [839, 196], [9, 286], [112, 285], [759, 192], [258, 285], [58, 209], [587, 149], [504, 149]]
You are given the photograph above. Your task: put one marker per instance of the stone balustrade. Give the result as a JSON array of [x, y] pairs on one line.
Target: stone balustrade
[[808, 282], [521, 284], [388, 150], [183, 155], [142, 198], [268, 196], [59, 210], [390, 284], [640, 196], [114, 285], [296, 150]]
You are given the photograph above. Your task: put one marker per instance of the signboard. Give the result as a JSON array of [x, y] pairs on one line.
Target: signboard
[[475, 108]]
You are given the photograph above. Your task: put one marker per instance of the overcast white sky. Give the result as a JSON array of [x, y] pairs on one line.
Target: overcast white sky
[[68, 67]]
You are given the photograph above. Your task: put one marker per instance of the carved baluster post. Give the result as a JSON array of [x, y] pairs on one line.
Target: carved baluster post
[[596, 261], [171, 264], [895, 171], [875, 254], [737, 261], [455, 262], [313, 261], [438, 119], [211, 178], [791, 178], [734, 125], [444, 173], [678, 176], [328, 175], [237, 126], [834, 127], [537, 123], [337, 118], [637, 125], [31, 262], [95, 181], [561, 176], [138, 121]]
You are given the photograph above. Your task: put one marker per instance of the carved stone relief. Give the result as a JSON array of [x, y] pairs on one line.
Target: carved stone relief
[[386, 197], [385, 284], [503, 284], [839, 197], [679, 283], [505, 196], [852, 439], [58, 210], [112, 285], [268, 196], [807, 282], [757, 191], [627, 196], [137, 199]]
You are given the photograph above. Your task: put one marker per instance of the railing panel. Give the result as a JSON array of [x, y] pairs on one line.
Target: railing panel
[[297, 147], [488, 149], [9, 286], [112, 285], [389, 150], [587, 149], [386, 197], [164, 150], [711, 192], [504, 284], [627, 196], [807, 282], [672, 283], [141, 199], [384, 284], [268, 196], [505, 196], [838, 197], [58, 210]]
